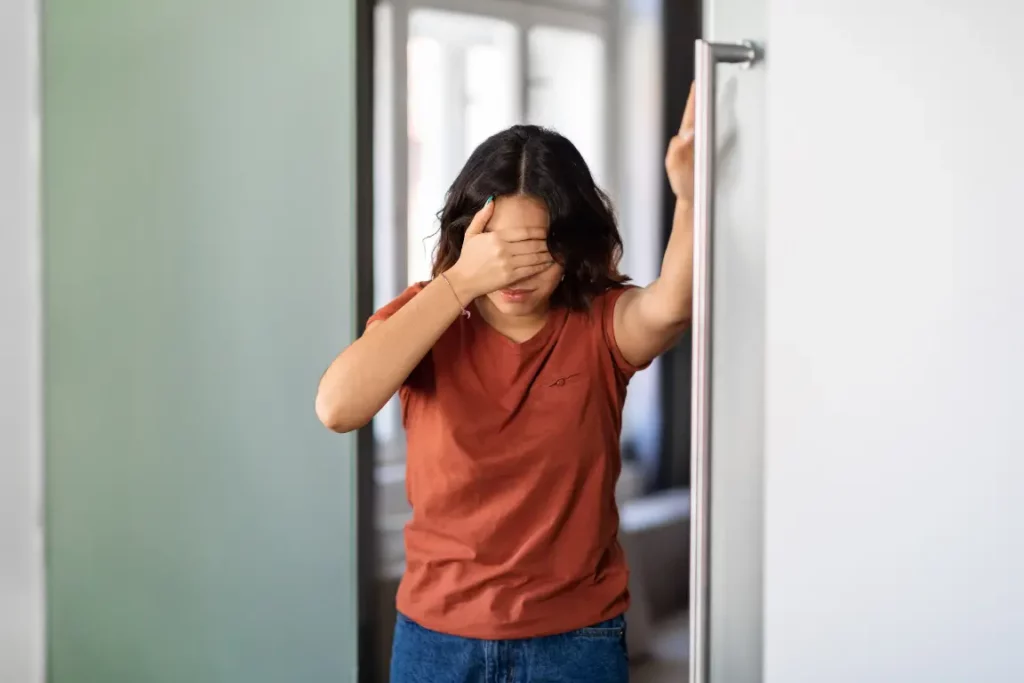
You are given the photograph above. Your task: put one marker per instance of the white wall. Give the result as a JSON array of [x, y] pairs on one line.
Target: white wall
[[21, 566], [895, 343]]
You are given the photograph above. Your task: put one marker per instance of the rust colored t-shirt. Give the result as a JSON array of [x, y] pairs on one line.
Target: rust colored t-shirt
[[512, 460]]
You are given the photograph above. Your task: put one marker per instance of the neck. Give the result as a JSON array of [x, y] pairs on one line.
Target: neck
[[518, 328]]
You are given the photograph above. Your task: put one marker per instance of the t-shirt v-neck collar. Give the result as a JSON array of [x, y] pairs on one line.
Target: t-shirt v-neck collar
[[554, 321], [517, 363]]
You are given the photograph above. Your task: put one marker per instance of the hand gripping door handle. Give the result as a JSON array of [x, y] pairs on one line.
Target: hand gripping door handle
[[708, 57]]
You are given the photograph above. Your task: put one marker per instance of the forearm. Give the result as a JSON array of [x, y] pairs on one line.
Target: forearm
[[668, 300], [369, 372], [649, 320]]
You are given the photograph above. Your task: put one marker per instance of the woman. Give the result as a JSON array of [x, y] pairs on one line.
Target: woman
[[511, 366]]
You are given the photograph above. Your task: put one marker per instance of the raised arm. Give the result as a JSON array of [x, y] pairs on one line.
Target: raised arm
[[368, 373], [649, 320]]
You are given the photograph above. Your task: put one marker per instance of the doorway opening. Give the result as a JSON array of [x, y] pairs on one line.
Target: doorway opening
[[612, 76]]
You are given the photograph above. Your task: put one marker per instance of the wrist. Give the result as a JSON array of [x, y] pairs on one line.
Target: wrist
[[461, 286], [682, 218], [684, 203]]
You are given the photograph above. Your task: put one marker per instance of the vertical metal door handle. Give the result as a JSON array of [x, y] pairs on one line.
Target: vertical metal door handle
[[708, 56]]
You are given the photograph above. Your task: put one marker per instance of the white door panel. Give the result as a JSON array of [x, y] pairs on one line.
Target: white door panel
[[895, 379], [737, 353]]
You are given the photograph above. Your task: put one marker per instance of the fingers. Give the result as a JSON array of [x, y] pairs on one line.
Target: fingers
[[524, 233], [679, 146], [527, 272], [526, 247], [689, 114], [680, 143], [542, 258], [479, 221]]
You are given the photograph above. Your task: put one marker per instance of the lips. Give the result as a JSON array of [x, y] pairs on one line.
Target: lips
[[515, 295]]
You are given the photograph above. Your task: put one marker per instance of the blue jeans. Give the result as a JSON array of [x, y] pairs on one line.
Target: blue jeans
[[588, 655]]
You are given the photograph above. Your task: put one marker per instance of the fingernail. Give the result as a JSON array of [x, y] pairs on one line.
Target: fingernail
[[489, 200]]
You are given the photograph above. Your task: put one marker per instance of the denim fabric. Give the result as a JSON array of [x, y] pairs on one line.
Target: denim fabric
[[589, 655]]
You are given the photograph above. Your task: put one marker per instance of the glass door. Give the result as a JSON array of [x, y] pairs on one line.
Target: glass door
[[199, 186]]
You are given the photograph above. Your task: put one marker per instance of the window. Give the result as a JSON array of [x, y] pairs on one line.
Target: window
[[566, 89], [461, 88]]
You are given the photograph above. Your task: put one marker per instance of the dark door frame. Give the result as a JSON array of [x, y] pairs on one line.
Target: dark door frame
[[681, 24], [366, 490]]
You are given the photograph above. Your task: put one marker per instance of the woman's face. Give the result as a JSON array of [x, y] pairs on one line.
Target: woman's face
[[532, 294]]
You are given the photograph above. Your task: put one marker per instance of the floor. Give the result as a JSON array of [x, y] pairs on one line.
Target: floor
[[659, 672], [669, 661]]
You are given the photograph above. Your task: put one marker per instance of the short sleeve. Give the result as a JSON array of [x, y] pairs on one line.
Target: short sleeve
[[390, 308], [606, 305], [421, 378]]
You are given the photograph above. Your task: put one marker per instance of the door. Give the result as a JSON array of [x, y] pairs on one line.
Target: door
[[895, 379], [865, 367], [728, 374], [199, 173]]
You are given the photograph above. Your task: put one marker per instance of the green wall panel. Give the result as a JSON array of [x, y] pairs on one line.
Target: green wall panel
[[199, 270]]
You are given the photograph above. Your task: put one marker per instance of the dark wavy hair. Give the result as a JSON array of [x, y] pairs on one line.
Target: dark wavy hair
[[529, 160]]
